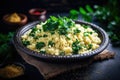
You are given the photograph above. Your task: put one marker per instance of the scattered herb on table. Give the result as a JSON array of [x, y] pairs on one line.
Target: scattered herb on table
[[6, 49], [107, 15]]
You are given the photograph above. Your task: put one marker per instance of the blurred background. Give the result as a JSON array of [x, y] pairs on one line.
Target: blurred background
[[49, 5], [104, 13], [52, 6]]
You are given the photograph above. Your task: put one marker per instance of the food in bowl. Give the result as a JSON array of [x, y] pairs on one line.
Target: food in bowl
[[61, 36], [14, 17]]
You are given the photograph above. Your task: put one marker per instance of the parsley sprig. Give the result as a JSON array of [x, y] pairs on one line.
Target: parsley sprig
[[62, 24], [6, 50]]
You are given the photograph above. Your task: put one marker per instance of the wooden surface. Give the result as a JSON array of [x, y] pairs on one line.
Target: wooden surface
[[49, 70]]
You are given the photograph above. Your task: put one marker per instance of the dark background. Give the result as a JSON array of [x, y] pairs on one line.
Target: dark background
[[52, 7], [22, 6]]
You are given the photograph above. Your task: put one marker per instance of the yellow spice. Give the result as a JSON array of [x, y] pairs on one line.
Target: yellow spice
[[11, 71], [13, 18]]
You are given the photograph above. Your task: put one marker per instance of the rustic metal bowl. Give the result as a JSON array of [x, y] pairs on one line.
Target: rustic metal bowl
[[53, 58]]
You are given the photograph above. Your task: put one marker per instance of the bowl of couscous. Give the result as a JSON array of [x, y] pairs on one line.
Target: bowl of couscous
[[60, 39]]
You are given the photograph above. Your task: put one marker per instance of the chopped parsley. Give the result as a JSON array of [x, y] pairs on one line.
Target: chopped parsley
[[40, 45], [62, 53], [85, 26], [37, 37], [67, 37], [52, 32], [51, 43], [90, 46], [58, 23], [32, 34], [45, 35], [90, 32], [26, 43], [34, 29], [76, 31], [87, 33], [76, 47], [42, 52]]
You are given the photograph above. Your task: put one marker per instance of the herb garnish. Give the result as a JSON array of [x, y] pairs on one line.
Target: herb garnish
[[107, 16], [34, 29], [85, 26], [42, 52], [40, 45], [52, 32], [90, 46], [62, 24], [62, 53], [6, 49], [45, 35], [87, 33], [76, 31], [51, 43], [26, 43], [76, 46]]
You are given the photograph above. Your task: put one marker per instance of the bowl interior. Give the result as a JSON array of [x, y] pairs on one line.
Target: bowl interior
[[18, 44]]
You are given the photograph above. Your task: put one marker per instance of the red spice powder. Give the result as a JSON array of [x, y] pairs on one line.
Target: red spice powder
[[37, 12]]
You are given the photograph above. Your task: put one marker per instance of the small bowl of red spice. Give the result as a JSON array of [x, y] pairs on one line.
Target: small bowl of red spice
[[37, 14]]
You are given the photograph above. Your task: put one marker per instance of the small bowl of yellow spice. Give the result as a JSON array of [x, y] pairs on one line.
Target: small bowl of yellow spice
[[15, 19], [11, 70]]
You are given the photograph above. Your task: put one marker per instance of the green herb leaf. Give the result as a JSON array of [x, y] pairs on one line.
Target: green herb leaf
[[90, 46], [89, 9], [45, 35], [62, 24], [26, 43], [82, 11], [76, 31], [51, 43], [52, 32], [85, 26], [40, 45], [62, 53], [42, 52], [74, 14], [76, 46], [85, 34]]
